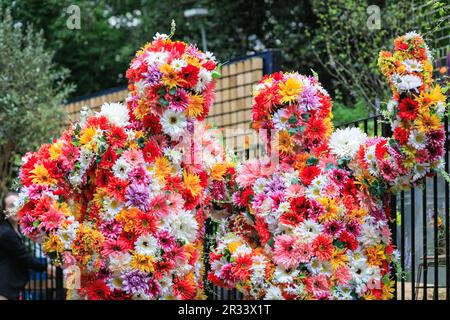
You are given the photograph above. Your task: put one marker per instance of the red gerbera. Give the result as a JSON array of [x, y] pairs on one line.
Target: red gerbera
[[116, 188], [117, 137], [108, 158], [263, 231], [151, 151], [308, 174], [381, 150], [323, 247], [184, 288], [291, 218], [115, 245], [189, 74], [407, 109], [152, 124], [401, 135], [97, 290], [100, 122], [146, 223], [349, 240], [242, 267]]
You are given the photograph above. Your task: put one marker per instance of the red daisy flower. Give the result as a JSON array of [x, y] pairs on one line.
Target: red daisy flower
[[189, 74], [323, 247], [407, 109], [117, 137], [97, 290], [308, 174]]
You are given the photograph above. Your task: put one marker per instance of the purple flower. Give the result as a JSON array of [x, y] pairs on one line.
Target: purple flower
[[274, 185], [138, 196], [136, 282], [179, 101], [154, 288], [153, 75], [309, 98]]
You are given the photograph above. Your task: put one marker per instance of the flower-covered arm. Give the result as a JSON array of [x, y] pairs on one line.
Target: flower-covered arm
[[415, 113]]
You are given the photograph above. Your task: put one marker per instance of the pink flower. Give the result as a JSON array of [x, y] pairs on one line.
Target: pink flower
[[318, 286], [51, 219], [133, 157], [287, 252], [158, 205], [166, 240], [343, 275], [252, 170], [174, 201]]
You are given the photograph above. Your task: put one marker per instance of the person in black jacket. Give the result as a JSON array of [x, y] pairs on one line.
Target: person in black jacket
[[15, 259]]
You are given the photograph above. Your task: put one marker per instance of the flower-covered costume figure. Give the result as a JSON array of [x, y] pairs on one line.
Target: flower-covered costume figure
[[119, 199], [315, 225]]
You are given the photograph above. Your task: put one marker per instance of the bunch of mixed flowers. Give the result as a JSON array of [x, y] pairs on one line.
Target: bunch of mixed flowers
[[123, 194], [315, 226], [415, 113]]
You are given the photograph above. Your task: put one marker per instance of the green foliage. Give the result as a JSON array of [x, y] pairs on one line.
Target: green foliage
[[31, 94], [343, 114], [347, 42]]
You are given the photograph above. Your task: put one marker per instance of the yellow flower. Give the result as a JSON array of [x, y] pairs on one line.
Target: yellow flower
[[192, 183], [55, 151], [431, 98], [426, 122], [128, 218], [53, 244], [40, 175], [87, 135], [232, 246], [285, 143], [163, 168], [339, 258], [375, 255], [331, 210], [290, 90], [387, 292], [170, 77], [218, 170], [195, 106], [142, 262]]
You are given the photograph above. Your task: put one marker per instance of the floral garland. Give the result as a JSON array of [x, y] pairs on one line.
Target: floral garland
[[315, 227], [122, 195]]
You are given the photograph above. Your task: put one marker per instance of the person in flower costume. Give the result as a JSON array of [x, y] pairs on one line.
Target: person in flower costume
[[315, 224], [121, 197]]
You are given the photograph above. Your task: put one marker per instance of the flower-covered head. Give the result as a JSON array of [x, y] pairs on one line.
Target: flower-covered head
[[297, 108], [170, 82]]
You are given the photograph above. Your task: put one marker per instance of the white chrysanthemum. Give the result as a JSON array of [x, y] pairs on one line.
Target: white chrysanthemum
[[406, 83], [284, 206], [308, 230], [115, 282], [290, 177], [162, 36], [417, 139], [283, 276], [119, 261], [242, 251], [411, 35], [174, 155], [259, 185], [157, 58], [121, 169], [113, 207], [173, 123], [182, 225], [140, 86], [412, 65], [345, 143], [178, 64], [440, 108], [204, 77], [68, 234], [273, 293], [116, 113], [420, 170], [146, 245], [280, 119], [369, 236]]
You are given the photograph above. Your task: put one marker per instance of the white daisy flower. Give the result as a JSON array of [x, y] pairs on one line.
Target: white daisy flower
[[121, 169], [182, 225], [173, 124], [283, 276], [308, 230], [178, 64], [146, 245], [242, 251], [162, 36], [113, 207], [345, 143], [116, 113], [157, 58], [204, 77], [406, 83], [412, 65], [273, 293], [259, 185], [280, 119], [119, 261], [417, 139], [420, 170]]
